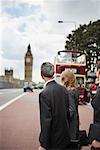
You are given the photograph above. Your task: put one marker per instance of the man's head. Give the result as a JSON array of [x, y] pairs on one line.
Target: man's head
[[47, 70]]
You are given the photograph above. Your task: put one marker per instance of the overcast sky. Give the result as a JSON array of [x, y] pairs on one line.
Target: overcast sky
[[36, 22]]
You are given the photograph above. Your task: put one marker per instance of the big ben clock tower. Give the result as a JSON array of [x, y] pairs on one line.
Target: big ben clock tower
[[28, 64]]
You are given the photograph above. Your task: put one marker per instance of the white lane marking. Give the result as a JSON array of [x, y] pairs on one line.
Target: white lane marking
[[11, 101]]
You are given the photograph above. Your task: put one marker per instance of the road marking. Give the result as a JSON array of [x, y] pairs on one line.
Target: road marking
[[11, 101]]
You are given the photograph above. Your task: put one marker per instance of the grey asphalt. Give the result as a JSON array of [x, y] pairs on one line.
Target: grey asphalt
[[7, 94]]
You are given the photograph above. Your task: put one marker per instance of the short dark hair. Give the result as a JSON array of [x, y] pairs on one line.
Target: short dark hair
[[47, 69]]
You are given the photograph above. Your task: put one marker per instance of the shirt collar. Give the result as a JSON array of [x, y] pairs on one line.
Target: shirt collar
[[48, 82]]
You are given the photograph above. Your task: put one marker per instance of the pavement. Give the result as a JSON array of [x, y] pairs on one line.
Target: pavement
[[86, 118], [20, 126]]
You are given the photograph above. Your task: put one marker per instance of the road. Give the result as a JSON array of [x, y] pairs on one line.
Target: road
[[7, 94], [19, 121]]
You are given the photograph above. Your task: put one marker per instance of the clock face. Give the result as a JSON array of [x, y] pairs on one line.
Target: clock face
[[28, 60]]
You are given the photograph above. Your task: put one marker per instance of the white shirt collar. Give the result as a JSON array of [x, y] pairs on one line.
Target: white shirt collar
[[48, 82]]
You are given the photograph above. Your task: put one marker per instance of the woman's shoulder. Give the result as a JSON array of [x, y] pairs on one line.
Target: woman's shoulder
[[73, 91]]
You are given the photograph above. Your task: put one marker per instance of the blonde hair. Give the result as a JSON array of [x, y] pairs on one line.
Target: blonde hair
[[68, 79]]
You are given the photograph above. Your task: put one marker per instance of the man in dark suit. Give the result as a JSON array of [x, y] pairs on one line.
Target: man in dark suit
[[96, 106], [54, 112]]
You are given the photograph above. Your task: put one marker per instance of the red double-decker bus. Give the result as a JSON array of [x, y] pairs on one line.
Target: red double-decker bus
[[71, 61]]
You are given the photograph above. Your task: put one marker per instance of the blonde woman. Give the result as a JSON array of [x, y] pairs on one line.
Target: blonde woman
[[69, 81]]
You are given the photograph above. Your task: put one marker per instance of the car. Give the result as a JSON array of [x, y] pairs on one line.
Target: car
[[28, 87], [39, 85]]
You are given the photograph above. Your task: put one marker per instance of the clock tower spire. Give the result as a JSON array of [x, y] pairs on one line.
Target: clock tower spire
[[28, 64]]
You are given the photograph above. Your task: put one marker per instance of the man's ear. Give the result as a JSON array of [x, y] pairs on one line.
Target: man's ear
[[42, 75]]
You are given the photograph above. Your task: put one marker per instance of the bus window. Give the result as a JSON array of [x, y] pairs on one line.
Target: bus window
[[73, 61]]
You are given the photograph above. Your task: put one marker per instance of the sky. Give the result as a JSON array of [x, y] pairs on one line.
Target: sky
[[36, 22]]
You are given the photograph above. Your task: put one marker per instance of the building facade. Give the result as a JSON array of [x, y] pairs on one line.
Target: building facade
[[8, 75], [28, 64]]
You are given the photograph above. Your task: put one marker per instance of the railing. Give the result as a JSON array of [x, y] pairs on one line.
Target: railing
[[70, 61]]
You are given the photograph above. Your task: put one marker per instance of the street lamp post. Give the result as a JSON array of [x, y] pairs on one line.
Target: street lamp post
[[72, 22]]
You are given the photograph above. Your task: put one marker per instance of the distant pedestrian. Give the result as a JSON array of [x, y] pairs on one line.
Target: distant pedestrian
[[54, 112], [69, 81], [83, 95], [93, 89]]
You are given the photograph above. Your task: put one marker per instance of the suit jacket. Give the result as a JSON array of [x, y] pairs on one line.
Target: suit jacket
[[54, 113], [96, 106]]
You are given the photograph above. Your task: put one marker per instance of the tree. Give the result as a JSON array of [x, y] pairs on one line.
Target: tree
[[86, 39]]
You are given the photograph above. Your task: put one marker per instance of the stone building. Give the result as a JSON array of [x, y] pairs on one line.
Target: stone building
[[28, 64], [9, 81], [8, 75]]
